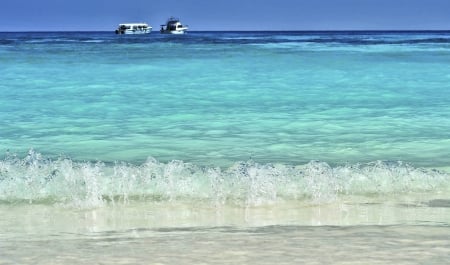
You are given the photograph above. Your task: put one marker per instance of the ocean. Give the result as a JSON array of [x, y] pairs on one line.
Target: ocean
[[225, 148]]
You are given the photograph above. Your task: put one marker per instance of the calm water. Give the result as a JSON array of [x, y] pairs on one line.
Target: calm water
[[225, 147]]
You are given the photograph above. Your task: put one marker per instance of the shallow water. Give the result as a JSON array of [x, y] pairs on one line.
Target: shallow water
[[268, 245], [219, 98], [171, 233]]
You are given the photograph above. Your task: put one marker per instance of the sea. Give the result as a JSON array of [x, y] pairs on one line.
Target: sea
[[327, 147]]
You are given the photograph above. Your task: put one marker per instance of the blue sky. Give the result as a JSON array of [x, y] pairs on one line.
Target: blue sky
[[41, 15]]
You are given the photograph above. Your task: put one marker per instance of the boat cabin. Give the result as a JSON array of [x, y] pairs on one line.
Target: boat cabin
[[134, 28]]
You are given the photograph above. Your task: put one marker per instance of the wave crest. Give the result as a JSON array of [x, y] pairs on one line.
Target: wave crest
[[36, 179]]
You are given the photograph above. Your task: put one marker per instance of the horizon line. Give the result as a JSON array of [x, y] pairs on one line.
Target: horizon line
[[257, 30]]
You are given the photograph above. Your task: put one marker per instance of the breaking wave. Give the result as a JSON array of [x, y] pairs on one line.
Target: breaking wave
[[36, 179]]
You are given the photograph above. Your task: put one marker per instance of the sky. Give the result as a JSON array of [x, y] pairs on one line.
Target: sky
[[104, 15]]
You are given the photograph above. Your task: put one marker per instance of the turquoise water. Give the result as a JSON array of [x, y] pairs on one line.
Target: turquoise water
[[230, 117], [225, 148], [218, 98]]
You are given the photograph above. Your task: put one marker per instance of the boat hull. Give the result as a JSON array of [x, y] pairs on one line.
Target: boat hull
[[176, 32]]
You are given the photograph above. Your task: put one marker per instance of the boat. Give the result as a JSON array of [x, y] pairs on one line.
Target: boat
[[134, 28], [173, 26]]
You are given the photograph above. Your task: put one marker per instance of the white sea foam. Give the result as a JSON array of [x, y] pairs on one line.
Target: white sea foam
[[36, 179]]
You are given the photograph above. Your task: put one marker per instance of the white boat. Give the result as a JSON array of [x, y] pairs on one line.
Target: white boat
[[134, 28], [173, 26]]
